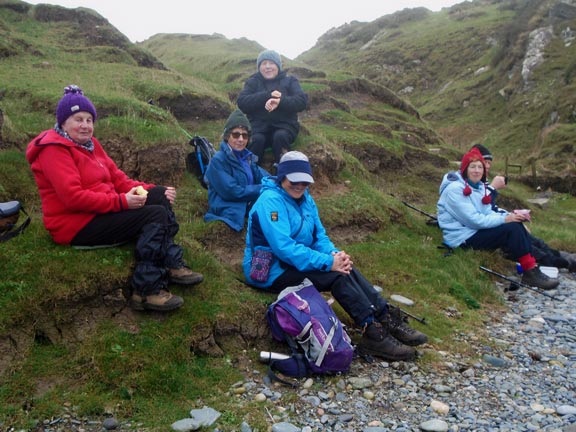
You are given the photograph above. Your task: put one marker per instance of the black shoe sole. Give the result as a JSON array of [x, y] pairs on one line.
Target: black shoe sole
[[139, 306], [412, 343], [543, 288], [367, 351], [185, 282]]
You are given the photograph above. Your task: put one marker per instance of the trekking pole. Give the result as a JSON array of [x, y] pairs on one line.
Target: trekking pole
[[188, 135], [519, 283], [414, 317], [420, 211]]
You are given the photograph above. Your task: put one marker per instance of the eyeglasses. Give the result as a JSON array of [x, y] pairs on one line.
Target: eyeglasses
[[304, 184], [237, 135]]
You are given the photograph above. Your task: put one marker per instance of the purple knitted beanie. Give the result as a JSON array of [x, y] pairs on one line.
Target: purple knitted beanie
[[72, 102]]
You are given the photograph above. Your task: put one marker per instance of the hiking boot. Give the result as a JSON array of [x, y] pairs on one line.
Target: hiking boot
[[399, 328], [164, 301], [377, 341], [571, 258], [184, 276], [535, 278]]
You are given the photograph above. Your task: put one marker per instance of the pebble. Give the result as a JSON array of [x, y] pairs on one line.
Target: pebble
[[434, 426], [110, 423], [439, 407], [368, 395], [308, 383], [402, 300], [260, 397]]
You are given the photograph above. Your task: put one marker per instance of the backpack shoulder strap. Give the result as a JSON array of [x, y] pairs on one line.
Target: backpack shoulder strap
[[295, 366]]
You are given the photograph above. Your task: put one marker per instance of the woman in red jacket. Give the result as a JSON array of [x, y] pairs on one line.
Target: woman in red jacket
[[88, 201]]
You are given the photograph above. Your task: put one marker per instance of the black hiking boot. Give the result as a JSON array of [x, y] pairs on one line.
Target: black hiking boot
[[399, 328], [377, 341], [571, 258], [535, 278]]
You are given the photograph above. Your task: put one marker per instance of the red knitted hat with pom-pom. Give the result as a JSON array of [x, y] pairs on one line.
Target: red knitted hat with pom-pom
[[473, 155]]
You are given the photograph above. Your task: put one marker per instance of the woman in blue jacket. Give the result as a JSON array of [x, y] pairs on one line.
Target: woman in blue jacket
[[272, 100], [467, 219], [233, 178], [285, 221]]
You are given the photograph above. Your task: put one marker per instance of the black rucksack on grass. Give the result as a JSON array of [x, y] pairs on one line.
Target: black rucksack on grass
[[197, 161]]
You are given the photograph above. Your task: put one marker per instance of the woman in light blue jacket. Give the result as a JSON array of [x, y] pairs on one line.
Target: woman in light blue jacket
[[286, 236], [467, 219], [233, 177]]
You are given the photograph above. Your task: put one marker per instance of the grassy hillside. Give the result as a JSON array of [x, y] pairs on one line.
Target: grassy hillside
[[462, 68], [68, 339]]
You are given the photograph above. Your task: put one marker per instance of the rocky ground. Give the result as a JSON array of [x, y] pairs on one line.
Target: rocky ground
[[525, 380]]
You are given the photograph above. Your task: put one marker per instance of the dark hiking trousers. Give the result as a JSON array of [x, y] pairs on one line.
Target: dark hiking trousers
[[153, 227], [355, 294], [545, 255], [512, 238], [279, 139]]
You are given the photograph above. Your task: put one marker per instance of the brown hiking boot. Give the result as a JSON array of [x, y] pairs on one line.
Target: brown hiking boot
[[535, 278], [164, 301], [399, 328], [184, 276], [377, 341]]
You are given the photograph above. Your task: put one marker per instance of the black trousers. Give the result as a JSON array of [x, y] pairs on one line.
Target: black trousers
[[153, 227], [355, 294], [512, 238], [279, 139]]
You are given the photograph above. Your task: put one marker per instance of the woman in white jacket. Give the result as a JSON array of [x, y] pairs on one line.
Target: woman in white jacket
[[467, 220]]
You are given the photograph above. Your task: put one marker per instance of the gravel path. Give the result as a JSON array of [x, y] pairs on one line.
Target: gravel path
[[524, 381]]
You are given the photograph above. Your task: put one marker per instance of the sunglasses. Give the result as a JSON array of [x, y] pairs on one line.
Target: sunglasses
[[237, 135], [303, 184]]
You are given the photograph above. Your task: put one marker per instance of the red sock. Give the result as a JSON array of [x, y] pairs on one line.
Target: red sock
[[528, 262]]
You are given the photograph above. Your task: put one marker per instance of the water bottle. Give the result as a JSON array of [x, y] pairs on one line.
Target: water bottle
[[267, 356], [514, 284]]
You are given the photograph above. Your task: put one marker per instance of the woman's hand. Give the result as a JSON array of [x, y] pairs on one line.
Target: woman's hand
[[170, 194], [512, 217], [342, 262], [134, 200], [498, 182], [272, 104]]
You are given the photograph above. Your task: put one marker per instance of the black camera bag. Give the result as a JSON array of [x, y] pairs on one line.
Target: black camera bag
[[9, 215]]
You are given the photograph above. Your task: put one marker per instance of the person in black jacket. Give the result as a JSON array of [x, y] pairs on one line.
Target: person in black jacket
[[272, 100]]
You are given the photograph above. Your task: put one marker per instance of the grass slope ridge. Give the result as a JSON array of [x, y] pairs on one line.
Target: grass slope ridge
[[66, 335], [465, 69]]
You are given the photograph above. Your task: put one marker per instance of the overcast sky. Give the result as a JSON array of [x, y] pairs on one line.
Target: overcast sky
[[289, 26]]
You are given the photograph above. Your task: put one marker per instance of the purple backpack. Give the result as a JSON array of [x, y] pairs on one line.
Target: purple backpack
[[303, 319]]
